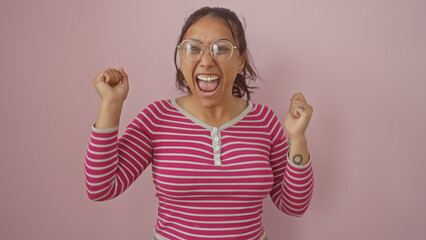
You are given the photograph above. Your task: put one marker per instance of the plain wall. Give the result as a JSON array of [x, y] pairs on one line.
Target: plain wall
[[361, 65]]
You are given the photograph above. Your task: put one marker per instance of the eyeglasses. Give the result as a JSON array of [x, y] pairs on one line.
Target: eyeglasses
[[191, 50]]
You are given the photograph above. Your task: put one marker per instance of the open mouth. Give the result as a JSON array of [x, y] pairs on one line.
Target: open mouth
[[208, 84]]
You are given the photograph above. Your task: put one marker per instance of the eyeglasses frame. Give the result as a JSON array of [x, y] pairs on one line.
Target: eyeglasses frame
[[203, 47]]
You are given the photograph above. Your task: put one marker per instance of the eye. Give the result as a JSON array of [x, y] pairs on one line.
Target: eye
[[221, 47], [191, 48]]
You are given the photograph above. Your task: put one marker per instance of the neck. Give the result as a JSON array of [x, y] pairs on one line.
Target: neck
[[215, 115]]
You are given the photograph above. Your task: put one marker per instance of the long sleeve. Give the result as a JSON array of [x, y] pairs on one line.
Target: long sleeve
[[293, 185], [210, 181], [112, 164]]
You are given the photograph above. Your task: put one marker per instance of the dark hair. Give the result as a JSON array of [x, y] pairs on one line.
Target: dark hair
[[240, 87]]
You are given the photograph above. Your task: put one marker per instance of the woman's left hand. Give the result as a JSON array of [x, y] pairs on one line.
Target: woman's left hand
[[298, 116]]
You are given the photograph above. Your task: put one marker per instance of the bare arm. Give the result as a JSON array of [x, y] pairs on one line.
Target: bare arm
[[295, 123], [112, 86], [299, 154]]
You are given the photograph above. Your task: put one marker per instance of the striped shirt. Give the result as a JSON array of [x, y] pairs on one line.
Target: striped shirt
[[210, 181]]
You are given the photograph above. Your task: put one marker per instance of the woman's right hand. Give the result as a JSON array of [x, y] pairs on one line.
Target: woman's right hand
[[112, 85]]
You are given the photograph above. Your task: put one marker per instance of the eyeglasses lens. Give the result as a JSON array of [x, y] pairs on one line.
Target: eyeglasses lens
[[221, 50]]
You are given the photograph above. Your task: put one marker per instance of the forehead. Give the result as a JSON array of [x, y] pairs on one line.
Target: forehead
[[208, 29]]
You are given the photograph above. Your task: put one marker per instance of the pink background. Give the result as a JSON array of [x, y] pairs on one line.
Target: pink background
[[361, 64]]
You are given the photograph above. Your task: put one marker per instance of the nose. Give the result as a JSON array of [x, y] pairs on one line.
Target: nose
[[207, 60]]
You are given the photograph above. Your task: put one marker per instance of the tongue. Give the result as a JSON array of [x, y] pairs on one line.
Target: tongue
[[209, 86]]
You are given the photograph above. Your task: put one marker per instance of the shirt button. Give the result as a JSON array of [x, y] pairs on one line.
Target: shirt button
[[217, 148], [215, 129], [216, 139]]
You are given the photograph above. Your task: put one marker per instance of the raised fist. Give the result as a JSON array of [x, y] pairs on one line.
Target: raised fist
[[112, 85]]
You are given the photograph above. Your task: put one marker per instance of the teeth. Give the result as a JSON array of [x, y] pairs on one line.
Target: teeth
[[207, 78]]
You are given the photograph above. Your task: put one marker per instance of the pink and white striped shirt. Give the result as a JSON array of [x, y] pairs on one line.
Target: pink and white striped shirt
[[210, 181]]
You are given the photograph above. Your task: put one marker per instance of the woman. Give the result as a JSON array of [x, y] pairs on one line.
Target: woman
[[214, 155]]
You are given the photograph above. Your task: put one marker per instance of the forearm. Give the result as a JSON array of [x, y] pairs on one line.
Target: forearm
[[109, 115], [299, 154], [297, 182], [101, 165]]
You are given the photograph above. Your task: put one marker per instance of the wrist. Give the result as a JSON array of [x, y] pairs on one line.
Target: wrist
[[112, 104], [109, 115], [298, 144], [297, 138]]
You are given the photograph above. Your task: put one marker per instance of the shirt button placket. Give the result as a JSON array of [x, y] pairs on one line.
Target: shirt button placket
[[216, 146]]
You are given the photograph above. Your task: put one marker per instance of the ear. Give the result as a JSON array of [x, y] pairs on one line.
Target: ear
[[243, 58]]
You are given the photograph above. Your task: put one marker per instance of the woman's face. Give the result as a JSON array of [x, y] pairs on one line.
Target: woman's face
[[210, 81]]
